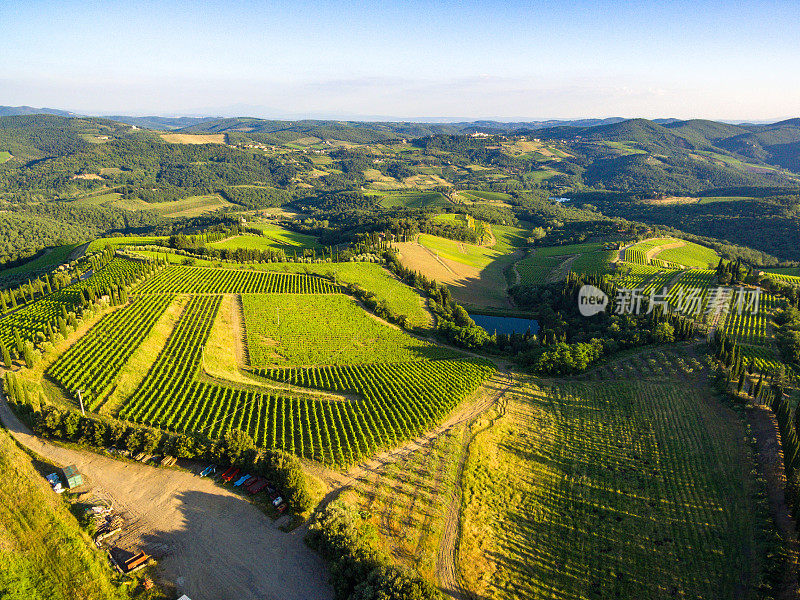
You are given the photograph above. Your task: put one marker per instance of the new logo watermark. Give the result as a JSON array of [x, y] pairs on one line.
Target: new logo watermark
[[690, 301], [591, 300]]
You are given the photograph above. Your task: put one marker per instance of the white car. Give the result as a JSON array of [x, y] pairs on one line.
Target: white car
[[277, 501]]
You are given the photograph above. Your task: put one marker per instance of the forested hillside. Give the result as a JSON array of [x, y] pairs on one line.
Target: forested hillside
[[69, 179]]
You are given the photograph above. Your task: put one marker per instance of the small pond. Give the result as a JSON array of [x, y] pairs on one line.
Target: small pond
[[506, 324]]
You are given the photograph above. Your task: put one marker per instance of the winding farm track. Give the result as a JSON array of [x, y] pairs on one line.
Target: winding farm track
[[215, 545], [447, 564]]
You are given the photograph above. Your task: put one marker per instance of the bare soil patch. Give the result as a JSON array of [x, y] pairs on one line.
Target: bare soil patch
[[193, 138]]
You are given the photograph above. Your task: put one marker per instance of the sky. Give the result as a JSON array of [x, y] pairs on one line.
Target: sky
[[404, 60]]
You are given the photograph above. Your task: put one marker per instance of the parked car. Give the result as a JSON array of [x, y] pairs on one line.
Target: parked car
[[230, 474], [55, 482], [208, 471], [241, 480], [277, 501]]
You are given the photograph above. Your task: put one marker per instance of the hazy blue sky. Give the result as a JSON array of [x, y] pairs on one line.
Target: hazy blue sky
[[726, 60]]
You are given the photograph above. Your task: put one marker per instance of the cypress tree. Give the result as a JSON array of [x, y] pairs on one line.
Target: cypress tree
[[6, 355], [18, 340]]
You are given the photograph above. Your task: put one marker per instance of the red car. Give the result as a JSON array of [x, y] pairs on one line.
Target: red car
[[230, 474], [257, 486]]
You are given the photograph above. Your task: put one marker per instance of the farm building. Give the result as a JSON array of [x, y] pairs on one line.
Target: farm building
[[73, 477]]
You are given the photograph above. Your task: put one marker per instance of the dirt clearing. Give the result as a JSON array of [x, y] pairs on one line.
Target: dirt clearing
[[215, 545]]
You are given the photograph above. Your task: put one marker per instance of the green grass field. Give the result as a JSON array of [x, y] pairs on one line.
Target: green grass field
[[460, 252], [44, 555], [5, 156], [274, 237], [415, 200], [293, 330], [612, 490], [507, 239], [115, 242], [52, 258]]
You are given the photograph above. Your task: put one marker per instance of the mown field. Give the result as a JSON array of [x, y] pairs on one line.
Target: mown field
[[477, 275], [612, 490]]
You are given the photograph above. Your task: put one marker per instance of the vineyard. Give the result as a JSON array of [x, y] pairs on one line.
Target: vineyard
[[691, 255], [202, 280], [588, 258], [687, 254], [749, 327], [612, 490], [32, 321], [635, 255], [324, 329], [398, 400], [92, 363]]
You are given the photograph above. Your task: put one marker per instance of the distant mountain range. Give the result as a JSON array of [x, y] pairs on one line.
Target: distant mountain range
[[614, 153]]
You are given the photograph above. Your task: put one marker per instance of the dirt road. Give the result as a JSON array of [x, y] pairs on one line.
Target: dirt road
[[447, 563], [217, 545]]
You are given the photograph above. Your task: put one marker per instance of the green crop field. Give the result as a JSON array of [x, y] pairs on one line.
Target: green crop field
[[123, 330], [691, 255], [35, 320], [400, 298], [748, 327], [612, 490], [541, 263], [285, 329], [390, 386], [202, 280], [481, 196], [688, 254], [191, 206]]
